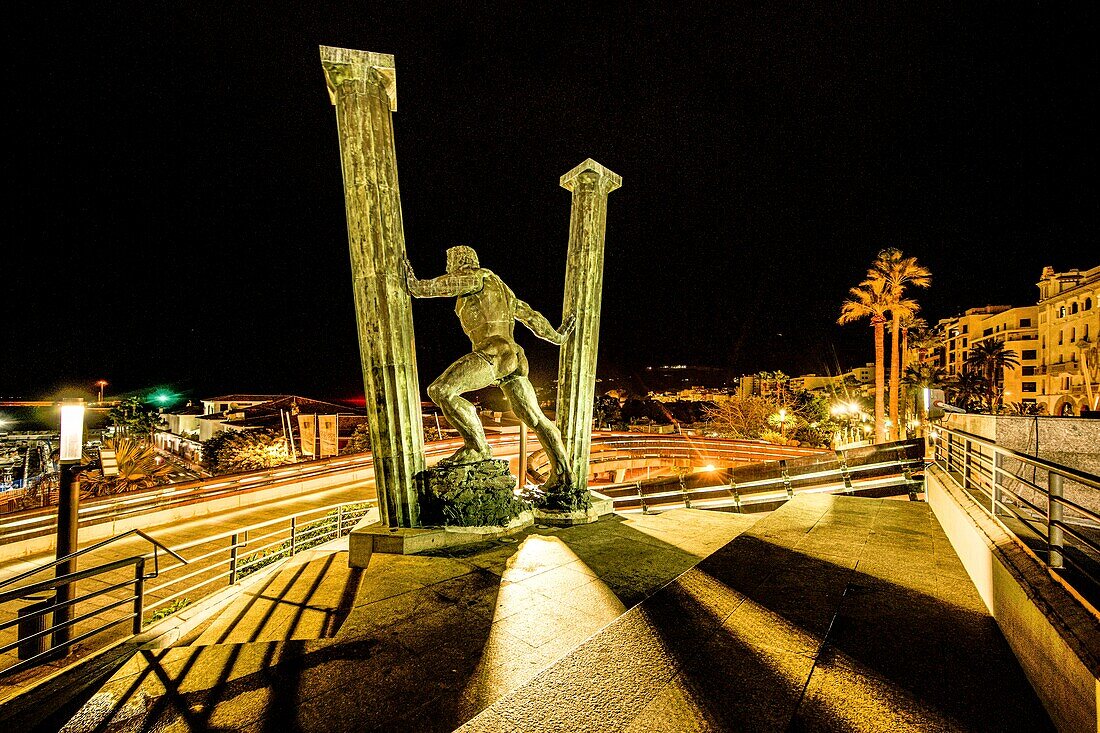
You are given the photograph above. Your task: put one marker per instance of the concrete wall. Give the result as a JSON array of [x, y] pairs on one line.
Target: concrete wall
[[1068, 441], [1055, 637]]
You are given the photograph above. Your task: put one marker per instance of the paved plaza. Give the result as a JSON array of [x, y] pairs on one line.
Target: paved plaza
[[832, 613]]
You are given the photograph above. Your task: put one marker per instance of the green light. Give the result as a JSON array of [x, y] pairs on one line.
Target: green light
[[163, 397]]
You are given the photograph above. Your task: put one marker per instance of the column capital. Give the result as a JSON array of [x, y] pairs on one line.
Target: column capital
[[347, 64], [605, 176]]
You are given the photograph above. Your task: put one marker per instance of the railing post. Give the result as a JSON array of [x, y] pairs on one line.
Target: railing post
[[842, 460], [994, 488], [641, 498], [786, 479], [233, 559], [966, 463], [1054, 518], [340, 521], [293, 533], [139, 594]]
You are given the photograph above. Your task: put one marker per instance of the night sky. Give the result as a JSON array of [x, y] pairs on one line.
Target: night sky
[[175, 208]]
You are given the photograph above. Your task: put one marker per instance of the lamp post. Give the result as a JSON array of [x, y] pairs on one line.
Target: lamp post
[[101, 384], [851, 413], [68, 501]]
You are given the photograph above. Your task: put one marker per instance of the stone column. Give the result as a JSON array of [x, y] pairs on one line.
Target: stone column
[[363, 87], [590, 184]]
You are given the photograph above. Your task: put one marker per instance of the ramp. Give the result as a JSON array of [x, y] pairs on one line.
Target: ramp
[[833, 613]]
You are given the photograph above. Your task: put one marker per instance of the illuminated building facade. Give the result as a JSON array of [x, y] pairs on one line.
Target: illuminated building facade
[[1054, 342]]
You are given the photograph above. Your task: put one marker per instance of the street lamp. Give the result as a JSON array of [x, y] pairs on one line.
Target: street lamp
[[68, 501], [101, 384], [850, 412]]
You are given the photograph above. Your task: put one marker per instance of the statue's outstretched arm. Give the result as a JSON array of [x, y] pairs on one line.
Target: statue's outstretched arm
[[444, 286], [541, 327]]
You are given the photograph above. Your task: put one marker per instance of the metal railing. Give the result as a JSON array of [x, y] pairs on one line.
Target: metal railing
[[225, 558], [852, 470], [610, 449], [1066, 530], [221, 560], [37, 641]]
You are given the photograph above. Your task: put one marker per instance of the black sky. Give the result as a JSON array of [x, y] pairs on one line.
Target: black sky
[[176, 209]]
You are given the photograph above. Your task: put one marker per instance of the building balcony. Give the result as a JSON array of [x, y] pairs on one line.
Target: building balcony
[[1063, 368]]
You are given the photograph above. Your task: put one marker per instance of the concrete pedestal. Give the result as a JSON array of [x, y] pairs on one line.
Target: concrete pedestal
[[370, 537]]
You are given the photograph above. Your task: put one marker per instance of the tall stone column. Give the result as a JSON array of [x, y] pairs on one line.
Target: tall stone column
[[363, 87], [590, 184]]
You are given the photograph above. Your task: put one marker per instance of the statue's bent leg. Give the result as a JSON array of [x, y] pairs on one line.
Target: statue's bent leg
[[526, 406], [465, 375]]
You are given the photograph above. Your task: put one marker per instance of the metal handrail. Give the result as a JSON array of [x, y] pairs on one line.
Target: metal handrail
[[976, 463], [844, 476], [671, 447], [301, 533], [61, 626], [240, 538], [93, 548], [1089, 479]]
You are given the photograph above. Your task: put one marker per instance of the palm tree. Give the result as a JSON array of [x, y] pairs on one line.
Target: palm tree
[[870, 300], [924, 375], [910, 325], [923, 339], [990, 358], [966, 389], [1087, 363], [139, 467], [898, 271]]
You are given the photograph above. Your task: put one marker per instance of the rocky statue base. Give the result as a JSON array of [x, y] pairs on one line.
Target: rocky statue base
[[459, 505], [567, 505], [599, 506], [564, 497], [478, 494]]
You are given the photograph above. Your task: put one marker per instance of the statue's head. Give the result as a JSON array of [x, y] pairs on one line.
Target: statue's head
[[461, 258]]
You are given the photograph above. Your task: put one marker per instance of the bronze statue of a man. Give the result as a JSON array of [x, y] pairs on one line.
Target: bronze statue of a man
[[488, 310]]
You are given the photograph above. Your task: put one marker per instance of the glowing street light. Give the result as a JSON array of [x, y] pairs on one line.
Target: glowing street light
[[101, 384], [68, 502], [72, 431]]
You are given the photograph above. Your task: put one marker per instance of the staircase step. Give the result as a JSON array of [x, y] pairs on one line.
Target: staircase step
[[306, 599]]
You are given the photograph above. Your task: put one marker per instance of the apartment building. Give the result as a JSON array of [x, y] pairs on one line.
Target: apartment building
[[1054, 341], [1069, 322]]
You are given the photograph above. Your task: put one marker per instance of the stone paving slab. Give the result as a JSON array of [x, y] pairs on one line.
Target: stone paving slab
[[832, 614], [429, 641], [307, 598]]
